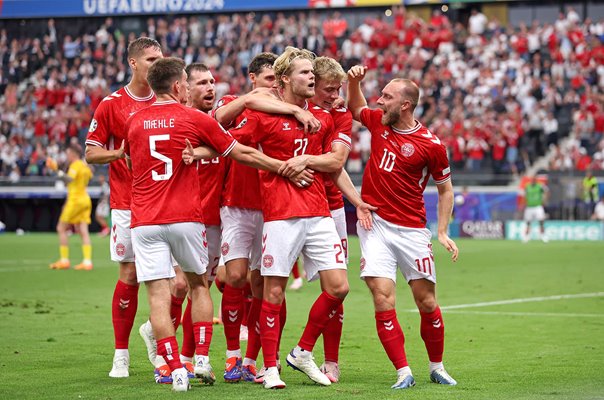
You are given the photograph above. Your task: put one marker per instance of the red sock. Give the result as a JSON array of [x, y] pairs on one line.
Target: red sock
[[324, 309], [123, 311], [392, 337], [232, 313], [282, 320], [176, 311], [168, 349], [247, 303], [296, 270], [269, 332], [253, 332], [433, 333], [332, 336], [203, 337], [188, 338]]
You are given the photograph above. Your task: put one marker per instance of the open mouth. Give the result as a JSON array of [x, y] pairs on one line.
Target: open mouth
[[209, 97], [311, 85]]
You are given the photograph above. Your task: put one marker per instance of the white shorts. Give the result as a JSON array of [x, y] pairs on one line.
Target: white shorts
[[388, 246], [102, 209], [154, 246], [316, 238], [213, 242], [534, 214], [339, 218], [241, 235], [120, 243]]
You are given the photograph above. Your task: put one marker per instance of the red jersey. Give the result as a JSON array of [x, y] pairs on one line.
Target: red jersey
[[398, 169], [107, 130], [211, 175], [241, 183], [164, 189], [342, 121], [282, 137]]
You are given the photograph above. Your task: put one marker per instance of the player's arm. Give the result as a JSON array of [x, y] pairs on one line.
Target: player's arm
[[328, 162], [445, 208], [344, 183], [356, 99], [190, 154], [100, 155], [270, 105], [65, 177]]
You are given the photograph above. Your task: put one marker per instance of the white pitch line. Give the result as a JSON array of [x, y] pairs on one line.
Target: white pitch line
[[525, 300], [526, 314]]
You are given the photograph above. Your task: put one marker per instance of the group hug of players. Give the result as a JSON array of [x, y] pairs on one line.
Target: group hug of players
[[185, 191]]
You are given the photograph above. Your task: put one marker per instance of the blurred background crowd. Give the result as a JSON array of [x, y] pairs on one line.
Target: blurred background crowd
[[500, 97]]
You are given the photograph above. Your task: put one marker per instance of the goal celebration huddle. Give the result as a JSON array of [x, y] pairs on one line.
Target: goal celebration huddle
[[258, 180]]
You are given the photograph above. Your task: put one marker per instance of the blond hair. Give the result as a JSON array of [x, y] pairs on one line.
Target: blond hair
[[284, 63], [328, 69]]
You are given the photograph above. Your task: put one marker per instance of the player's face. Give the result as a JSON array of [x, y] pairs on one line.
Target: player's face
[[302, 79], [265, 78], [183, 89], [201, 90], [142, 63], [71, 156], [390, 103], [326, 92]]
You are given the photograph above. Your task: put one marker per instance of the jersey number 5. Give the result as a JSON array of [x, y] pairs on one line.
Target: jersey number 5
[[153, 139]]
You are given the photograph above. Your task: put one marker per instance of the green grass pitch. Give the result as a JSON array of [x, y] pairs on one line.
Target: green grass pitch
[[56, 339]]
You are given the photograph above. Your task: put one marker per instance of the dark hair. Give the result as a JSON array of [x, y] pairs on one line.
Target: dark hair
[[138, 46], [76, 148], [163, 73], [261, 60], [196, 67]]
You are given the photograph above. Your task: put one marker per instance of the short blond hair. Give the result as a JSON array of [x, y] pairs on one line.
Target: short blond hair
[[328, 69], [283, 63]]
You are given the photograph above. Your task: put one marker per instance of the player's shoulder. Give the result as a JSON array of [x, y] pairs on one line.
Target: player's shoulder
[[226, 100], [339, 111]]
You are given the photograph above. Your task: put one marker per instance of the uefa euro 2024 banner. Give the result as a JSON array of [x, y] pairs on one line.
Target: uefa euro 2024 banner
[[82, 8]]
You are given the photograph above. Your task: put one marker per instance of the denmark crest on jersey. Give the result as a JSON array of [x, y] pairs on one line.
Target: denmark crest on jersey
[[267, 261], [93, 125], [407, 149], [241, 124]]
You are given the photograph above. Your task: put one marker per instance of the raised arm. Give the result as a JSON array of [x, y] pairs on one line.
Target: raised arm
[[445, 207], [356, 99]]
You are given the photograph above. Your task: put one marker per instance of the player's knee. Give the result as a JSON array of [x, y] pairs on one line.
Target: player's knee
[[236, 277], [339, 290], [426, 305], [128, 274], [274, 295], [179, 288]]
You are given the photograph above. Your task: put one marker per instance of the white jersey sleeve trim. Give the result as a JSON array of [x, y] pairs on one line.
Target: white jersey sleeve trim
[[94, 143], [448, 178], [229, 149]]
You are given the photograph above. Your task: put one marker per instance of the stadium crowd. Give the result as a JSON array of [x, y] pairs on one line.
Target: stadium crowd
[[499, 96]]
